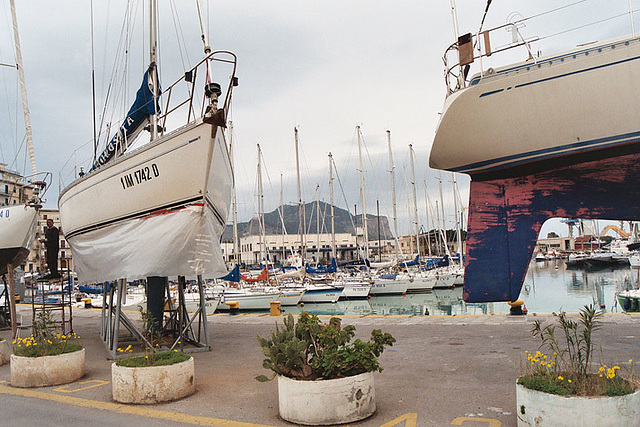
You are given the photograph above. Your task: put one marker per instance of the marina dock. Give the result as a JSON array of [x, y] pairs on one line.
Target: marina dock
[[443, 370]]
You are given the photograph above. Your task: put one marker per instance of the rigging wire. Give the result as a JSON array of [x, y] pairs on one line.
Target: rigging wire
[[93, 88], [586, 25]]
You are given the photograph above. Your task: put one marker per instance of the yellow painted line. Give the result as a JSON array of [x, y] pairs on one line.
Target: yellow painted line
[[411, 420], [126, 409], [69, 388], [461, 420]]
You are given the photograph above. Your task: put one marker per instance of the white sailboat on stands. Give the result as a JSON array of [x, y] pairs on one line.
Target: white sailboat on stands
[[550, 136], [160, 209], [18, 221]]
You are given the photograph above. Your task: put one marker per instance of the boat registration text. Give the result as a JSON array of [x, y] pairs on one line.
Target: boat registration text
[[146, 173]]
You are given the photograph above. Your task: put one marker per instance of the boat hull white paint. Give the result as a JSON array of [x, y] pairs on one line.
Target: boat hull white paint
[[575, 103], [157, 211], [17, 231]]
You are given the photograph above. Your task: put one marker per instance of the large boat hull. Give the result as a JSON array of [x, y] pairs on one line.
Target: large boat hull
[[17, 231], [157, 211], [530, 117], [558, 137]]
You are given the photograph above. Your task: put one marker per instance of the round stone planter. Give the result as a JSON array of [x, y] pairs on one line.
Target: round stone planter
[[47, 370], [536, 408], [153, 384], [5, 352], [327, 402]]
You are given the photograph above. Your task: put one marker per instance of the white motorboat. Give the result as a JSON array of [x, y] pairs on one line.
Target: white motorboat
[[321, 293], [389, 287], [353, 289], [160, 209]]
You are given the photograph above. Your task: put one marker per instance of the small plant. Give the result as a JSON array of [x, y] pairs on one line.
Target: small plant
[[312, 350], [566, 369], [151, 355], [45, 341]]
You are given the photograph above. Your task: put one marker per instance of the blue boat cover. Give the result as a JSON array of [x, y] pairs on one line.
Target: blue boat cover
[[136, 119], [233, 275], [332, 268]]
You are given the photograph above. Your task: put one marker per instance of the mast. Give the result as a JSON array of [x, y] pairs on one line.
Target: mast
[[300, 225], [236, 241], [23, 90], [444, 222], [333, 226], [458, 221], [364, 205], [428, 204], [260, 206], [284, 249], [153, 74], [392, 168], [415, 199], [317, 223], [406, 186]]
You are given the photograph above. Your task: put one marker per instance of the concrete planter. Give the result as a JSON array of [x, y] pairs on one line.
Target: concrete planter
[[327, 402], [47, 370], [536, 408], [5, 351], [153, 384]]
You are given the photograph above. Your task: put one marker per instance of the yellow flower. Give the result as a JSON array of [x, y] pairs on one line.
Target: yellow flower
[[569, 380], [630, 360], [560, 377]]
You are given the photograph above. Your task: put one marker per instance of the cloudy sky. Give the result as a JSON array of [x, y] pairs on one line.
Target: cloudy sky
[[323, 66]]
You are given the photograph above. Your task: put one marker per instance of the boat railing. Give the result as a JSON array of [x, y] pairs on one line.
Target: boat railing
[[195, 82], [469, 48], [476, 48]]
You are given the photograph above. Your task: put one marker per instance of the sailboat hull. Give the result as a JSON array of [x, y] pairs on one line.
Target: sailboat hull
[[157, 211], [529, 117], [558, 137], [17, 231]]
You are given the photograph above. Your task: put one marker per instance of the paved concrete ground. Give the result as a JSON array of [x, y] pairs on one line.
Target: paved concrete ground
[[442, 371]]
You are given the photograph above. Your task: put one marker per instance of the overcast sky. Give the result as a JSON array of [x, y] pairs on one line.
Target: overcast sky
[[323, 66]]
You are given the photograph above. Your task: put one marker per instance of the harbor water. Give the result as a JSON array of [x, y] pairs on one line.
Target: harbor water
[[548, 287]]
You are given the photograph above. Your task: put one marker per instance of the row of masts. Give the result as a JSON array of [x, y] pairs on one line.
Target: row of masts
[[439, 213]]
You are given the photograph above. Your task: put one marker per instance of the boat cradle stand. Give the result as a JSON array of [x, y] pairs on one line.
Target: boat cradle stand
[[190, 332]]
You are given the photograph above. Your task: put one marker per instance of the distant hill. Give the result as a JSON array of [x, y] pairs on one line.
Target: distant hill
[[344, 222]]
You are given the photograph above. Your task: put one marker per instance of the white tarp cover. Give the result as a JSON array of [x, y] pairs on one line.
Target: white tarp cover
[[184, 242]]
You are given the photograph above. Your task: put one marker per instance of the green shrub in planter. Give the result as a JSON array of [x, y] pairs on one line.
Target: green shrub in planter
[[312, 350]]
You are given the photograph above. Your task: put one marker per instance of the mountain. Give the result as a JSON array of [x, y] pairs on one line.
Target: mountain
[[344, 222]]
